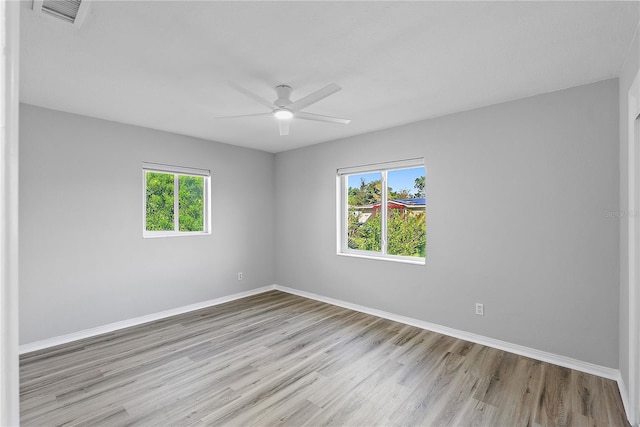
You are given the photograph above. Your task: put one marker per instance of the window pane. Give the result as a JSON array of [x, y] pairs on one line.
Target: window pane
[[191, 203], [406, 225], [364, 194], [159, 210]]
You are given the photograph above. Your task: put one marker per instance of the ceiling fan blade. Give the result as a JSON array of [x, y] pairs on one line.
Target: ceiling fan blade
[[244, 115], [252, 95], [320, 118], [314, 97], [284, 127]]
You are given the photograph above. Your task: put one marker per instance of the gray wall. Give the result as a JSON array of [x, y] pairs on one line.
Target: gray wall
[[83, 261], [517, 195], [627, 74]]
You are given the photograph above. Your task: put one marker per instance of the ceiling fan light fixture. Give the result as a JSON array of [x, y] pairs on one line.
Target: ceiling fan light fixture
[[283, 114]]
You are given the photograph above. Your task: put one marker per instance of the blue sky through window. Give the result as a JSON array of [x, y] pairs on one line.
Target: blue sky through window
[[401, 179], [354, 180]]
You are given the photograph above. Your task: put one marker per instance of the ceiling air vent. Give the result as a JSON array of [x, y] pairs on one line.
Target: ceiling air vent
[[71, 11]]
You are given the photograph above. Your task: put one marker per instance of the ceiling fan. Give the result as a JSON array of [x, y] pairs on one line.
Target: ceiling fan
[[283, 109]]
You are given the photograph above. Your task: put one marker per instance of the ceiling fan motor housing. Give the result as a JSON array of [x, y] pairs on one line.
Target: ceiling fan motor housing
[[284, 93]]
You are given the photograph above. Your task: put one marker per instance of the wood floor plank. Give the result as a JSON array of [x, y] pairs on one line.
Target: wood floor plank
[[280, 359]]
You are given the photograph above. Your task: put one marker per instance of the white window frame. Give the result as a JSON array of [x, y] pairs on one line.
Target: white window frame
[[342, 204], [176, 171]]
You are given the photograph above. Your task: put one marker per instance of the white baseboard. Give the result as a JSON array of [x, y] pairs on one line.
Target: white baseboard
[[624, 394], [87, 333], [567, 362]]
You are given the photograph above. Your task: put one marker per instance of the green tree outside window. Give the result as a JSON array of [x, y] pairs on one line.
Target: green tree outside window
[[160, 202], [406, 228]]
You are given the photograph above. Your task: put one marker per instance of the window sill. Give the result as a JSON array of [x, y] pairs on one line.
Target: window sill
[[403, 260], [155, 236]]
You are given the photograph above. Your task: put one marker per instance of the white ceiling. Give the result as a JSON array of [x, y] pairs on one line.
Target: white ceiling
[[164, 64]]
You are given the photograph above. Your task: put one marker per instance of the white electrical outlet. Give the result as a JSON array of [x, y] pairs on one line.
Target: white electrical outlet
[[240, 275], [479, 309]]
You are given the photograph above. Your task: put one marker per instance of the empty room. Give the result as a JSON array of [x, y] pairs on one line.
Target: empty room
[[306, 213]]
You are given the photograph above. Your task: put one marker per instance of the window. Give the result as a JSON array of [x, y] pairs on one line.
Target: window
[[382, 211], [176, 201]]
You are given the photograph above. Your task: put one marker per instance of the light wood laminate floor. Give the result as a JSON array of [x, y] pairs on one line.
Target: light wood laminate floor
[[280, 359]]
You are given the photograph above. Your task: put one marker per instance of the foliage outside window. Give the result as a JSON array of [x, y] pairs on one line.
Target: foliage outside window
[[176, 201], [389, 224]]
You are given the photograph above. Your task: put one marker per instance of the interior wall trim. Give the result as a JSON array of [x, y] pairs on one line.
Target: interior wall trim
[[112, 327], [9, 212], [624, 395], [631, 396]]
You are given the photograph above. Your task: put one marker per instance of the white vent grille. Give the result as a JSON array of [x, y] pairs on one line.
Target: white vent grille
[[71, 11], [63, 9]]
